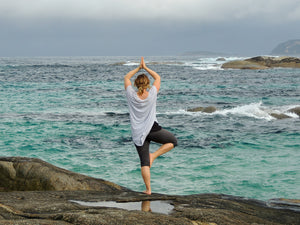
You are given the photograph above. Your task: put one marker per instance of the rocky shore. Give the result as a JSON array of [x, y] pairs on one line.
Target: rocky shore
[[263, 62], [36, 192]]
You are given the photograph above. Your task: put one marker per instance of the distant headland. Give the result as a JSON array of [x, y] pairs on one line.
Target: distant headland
[[291, 48], [205, 54], [287, 48]]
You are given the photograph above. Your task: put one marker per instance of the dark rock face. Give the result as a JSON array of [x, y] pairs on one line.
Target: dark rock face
[[263, 62], [58, 207]]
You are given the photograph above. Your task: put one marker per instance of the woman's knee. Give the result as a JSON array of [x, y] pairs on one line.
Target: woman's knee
[[171, 145], [174, 142]]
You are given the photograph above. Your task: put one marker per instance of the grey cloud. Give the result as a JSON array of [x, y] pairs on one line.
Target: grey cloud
[[181, 10], [143, 27]]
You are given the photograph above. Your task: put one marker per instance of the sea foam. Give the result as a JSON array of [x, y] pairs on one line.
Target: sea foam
[[255, 110]]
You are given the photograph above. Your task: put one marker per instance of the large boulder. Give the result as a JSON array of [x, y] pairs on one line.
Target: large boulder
[[263, 62], [31, 174]]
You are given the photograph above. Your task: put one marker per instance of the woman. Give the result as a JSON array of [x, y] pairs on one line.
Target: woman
[[144, 125]]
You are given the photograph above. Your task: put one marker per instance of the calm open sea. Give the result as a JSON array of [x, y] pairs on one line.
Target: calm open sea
[[72, 112]]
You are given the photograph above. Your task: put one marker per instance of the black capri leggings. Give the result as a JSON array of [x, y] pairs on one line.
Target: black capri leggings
[[162, 136]]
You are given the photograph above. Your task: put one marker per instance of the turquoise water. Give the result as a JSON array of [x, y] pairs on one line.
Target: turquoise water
[[72, 112]]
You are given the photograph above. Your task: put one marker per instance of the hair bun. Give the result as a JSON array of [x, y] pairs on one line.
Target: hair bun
[[142, 82]]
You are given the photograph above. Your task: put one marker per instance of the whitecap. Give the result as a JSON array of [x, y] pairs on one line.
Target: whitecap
[[254, 110], [129, 63], [211, 63], [208, 67]]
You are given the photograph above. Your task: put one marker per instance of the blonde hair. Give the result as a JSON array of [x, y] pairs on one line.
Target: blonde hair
[[142, 82]]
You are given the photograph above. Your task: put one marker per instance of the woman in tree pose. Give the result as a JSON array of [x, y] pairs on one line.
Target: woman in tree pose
[[144, 125]]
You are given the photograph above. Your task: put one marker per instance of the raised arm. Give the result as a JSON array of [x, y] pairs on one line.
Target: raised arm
[[129, 75], [155, 76]]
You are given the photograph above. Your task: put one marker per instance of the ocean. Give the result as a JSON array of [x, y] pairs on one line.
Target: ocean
[[72, 112]]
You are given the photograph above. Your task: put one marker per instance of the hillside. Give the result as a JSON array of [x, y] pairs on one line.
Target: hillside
[[291, 47]]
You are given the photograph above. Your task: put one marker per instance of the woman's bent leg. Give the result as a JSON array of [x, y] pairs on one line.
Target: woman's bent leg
[[162, 150], [164, 137]]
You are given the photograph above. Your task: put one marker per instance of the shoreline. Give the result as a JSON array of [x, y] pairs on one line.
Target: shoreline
[[47, 195]]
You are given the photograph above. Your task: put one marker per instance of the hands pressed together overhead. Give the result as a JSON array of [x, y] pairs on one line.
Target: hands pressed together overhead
[[142, 64]]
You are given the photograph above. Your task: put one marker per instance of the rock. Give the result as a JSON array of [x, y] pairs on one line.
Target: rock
[[193, 209], [29, 174], [221, 59], [59, 207], [284, 203], [279, 116], [118, 64], [271, 62], [295, 110], [263, 62], [197, 109], [209, 109], [241, 64]]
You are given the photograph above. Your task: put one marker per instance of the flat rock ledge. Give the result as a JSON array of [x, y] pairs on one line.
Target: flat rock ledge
[[28, 203], [263, 62]]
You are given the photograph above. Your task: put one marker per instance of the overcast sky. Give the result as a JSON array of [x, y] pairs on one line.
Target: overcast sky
[[145, 27]]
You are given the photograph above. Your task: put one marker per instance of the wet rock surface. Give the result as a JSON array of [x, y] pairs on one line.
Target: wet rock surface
[[58, 207]]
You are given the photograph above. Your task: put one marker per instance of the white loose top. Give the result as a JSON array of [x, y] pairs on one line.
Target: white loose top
[[142, 113]]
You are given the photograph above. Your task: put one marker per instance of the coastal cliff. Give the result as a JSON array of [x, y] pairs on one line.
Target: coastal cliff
[[36, 192]]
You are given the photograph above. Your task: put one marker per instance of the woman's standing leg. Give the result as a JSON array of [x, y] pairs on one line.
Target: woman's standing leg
[[143, 152], [146, 176]]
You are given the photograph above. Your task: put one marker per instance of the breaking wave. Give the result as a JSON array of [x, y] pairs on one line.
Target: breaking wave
[[254, 110]]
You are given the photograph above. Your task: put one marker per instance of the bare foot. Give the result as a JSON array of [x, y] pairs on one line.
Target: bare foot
[[147, 192], [151, 159]]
